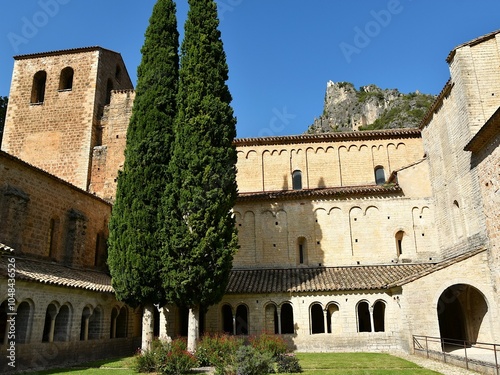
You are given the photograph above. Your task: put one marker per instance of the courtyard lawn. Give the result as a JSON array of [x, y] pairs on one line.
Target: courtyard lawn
[[121, 366], [312, 364], [357, 364]]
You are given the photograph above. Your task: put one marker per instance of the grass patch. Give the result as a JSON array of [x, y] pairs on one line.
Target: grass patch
[[312, 364], [117, 366], [357, 364]]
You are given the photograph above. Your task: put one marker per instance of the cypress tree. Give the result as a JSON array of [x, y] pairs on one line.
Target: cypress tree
[[201, 232], [134, 246]]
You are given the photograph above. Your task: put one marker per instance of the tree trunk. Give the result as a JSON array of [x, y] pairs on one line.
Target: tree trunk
[[193, 322], [147, 327]]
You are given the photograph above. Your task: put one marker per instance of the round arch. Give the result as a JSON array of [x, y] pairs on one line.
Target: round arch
[[461, 312]]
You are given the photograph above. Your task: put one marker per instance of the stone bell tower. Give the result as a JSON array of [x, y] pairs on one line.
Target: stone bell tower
[[56, 103]]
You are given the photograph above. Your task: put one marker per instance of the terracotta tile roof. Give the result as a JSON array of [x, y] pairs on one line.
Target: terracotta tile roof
[[62, 52], [344, 191], [333, 279], [329, 137], [57, 274]]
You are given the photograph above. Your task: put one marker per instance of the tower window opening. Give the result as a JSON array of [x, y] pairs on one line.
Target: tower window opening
[[66, 79], [38, 88]]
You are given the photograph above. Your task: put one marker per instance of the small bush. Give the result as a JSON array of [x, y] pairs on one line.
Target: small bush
[[287, 363], [166, 358], [265, 343], [251, 362], [218, 351], [145, 362]]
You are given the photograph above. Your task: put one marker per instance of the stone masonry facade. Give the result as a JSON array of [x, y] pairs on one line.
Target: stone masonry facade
[[348, 241]]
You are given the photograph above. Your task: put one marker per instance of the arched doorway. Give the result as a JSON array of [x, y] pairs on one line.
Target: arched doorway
[[461, 310]]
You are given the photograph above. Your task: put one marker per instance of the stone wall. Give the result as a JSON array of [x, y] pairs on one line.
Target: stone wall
[[45, 217], [109, 157], [335, 232], [466, 103], [339, 159]]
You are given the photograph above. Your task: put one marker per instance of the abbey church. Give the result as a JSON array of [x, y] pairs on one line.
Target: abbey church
[[353, 241]]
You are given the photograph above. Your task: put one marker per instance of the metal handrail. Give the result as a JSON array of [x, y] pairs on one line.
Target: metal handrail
[[421, 343]]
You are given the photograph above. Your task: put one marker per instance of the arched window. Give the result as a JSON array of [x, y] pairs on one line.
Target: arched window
[[317, 319], [227, 319], [66, 79], [331, 317], [38, 88], [122, 323], [84, 327], [112, 326], [62, 324], [287, 324], [399, 242], [302, 251], [241, 320], [48, 328], [95, 322], [379, 175], [379, 316], [297, 180], [23, 322], [364, 320]]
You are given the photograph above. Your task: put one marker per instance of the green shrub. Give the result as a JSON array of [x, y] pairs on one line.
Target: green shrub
[[251, 361], [145, 362], [287, 363], [166, 358], [218, 351], [272, 344]]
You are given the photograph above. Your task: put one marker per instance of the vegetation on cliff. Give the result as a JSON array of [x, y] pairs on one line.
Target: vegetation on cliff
[[369, 108]]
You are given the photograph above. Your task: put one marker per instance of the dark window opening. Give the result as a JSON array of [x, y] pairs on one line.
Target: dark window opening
[[38, 88], [242, 320], [297, 180], [61, 324], [66, 79], [317, 319], [379, 175], [287, 325], [227, 319], [23, 322], [364, 322], [379, 316], [302, 251], [399, 243], [122, 323]]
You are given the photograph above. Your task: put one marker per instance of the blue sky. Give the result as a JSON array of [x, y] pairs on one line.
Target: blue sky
[[281, 53]]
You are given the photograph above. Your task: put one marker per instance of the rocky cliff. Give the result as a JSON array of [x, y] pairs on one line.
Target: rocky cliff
[[370, 107]]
